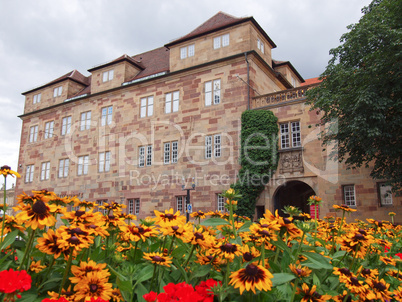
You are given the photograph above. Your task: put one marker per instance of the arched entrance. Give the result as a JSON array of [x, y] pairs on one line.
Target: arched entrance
[[293, 193]]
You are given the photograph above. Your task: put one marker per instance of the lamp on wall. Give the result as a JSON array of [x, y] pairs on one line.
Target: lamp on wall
[[188, 205]]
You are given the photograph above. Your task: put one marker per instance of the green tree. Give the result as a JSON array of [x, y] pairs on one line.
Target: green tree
[[361, 93]]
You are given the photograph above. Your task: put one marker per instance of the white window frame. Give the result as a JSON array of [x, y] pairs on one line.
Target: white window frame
[[45, 171], [33, 134], [172, 100], [149, 156], [290, 134], [57, 91], [64, 165], [349, 195], [104, 161], [137, 205], [212, 88], [187, 51], [106, 115], [66, 125], [107, 76], [221, 41], [385, 194], [213, 146], [220, 202], [85, 120], [181, 202], [49, 127], [29, 173], [36, 98], [147, 106], [130, 206], [170, 152], [83, 163], [260, 45]]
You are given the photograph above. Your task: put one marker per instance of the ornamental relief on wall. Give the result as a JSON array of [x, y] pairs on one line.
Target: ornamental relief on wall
[[291, 161]]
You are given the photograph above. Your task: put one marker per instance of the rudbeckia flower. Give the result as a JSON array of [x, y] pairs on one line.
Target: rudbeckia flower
[[6, 170], [93, 285], [251, 277], [311, 295], [38, 215], [158, 258]]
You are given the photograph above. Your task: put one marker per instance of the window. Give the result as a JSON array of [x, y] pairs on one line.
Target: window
[[147, 106], [145, 156], [260, 45], [45, 171], [290, 135], [221, 203], [49, 126], [385, 194], [213, 145], [66, 125], [36, 98], [212, 90], [107, 76], [101, 203], [104, 161], [33, 134], [130, 206], [172, 102], [187, 51], [83, 165], [106, 118], [221, 41], [349, 195], [64, 165], [170, 152], [85, 120], [180, 202], [136, 206], [57, 91], [29, 173]]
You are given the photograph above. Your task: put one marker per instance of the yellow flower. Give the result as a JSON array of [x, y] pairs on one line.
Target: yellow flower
[[311, 295], [93, 285], [50, 244], [251, 277], [158, 258], [85, 267], [38, 215], [391, 214], [168, 218], [344, 208], [6, 170], [36, 267]]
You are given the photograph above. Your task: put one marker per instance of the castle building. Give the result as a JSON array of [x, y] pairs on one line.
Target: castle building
[[141, 129]]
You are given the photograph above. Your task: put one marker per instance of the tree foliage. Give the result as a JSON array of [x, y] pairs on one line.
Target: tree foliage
[[361, 93], [258, 157]]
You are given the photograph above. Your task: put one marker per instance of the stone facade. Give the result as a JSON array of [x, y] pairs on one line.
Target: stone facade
[[141, 128]]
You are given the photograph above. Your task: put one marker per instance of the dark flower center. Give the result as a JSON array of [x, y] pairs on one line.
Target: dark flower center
[[345, 271], [92, 226], [175, 228], [286, 220], [264, 225], [5, 167], [93, 288], [110, 216], [78, 231], [158, 259], [228, 247], [359, 237], [199, 236], [79, 213], [366, 271], [361, 231], [379, 286], [74, 240], [169, 216], [299, 271], [210, 257], [247, 256], [264, 233], [39, 207], [354, 281], [251, 270]]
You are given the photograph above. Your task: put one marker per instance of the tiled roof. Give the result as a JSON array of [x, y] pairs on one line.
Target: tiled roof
[[119, 59], [219, 21], [276, 63], [74, 75], [311, 81]]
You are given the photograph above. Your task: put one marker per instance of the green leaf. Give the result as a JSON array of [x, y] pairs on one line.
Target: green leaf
[[119, 275], [316, 280], [282, 278], [245, 227], [9, 239], [140, 290], [145, 274], [214, 222], [181, 269], [316, 261], [202, 271]]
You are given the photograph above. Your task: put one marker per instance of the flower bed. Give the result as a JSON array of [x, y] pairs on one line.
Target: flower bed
[[98, 253]]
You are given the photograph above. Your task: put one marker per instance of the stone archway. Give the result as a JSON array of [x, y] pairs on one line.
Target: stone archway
[[294, 193]]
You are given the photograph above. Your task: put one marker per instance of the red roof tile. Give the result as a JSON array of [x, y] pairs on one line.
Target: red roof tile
[[311, 81]]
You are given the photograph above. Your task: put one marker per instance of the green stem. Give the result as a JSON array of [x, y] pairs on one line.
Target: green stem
[[4, 209], [47, 273], [135, 250], [153, 277], [227, 273], [171, 244], [189, 256], [163, 245], [300, 246], [28, 248], [294, 290], [67, 270]]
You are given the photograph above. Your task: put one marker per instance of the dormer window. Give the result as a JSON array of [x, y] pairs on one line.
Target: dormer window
[[57, 91], [187, 51], [221, 41], [36, 98], [107, 76], [260, 45]]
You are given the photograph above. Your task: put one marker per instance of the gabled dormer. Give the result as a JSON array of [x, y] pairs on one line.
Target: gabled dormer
[[55, 92], [113, 74], [219, 37], [286, 69]]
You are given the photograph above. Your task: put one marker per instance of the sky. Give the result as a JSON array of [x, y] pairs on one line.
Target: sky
[[42, 40]]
